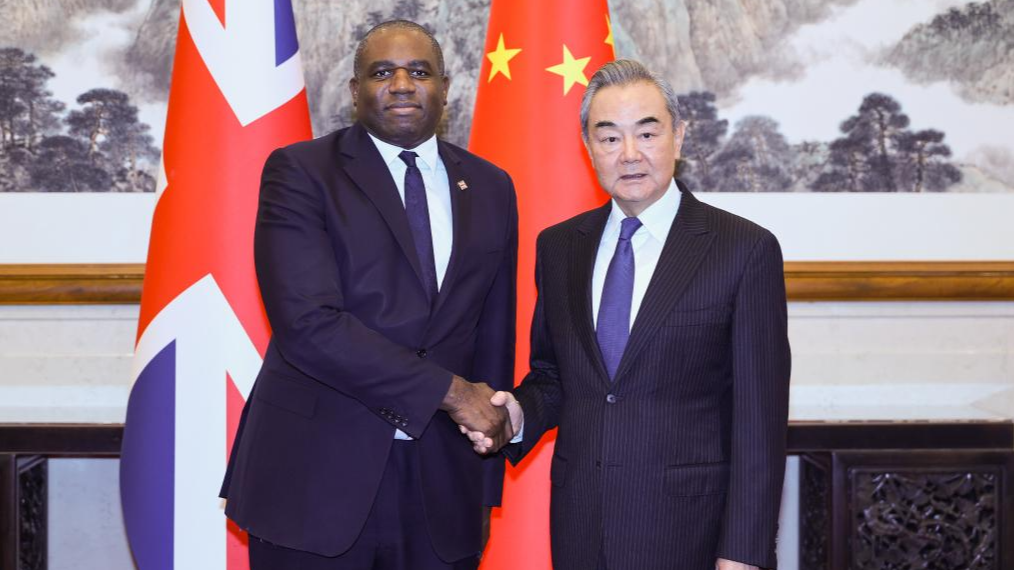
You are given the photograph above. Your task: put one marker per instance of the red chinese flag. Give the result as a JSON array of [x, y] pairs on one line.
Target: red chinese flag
[[539, 57]]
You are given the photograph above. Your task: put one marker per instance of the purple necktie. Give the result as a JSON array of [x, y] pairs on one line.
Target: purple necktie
[[419, 221], [614, 323]]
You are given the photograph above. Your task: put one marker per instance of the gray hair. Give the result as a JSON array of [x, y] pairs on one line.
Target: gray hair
[[397, 25], [626, 72]]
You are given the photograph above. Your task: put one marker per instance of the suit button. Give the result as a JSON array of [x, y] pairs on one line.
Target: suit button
[[611, 399], [421, 353]]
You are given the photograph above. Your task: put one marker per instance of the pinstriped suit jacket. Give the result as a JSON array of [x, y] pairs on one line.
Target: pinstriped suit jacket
[[679, 460]]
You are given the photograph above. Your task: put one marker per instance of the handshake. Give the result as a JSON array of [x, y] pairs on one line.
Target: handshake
[[489, 419]]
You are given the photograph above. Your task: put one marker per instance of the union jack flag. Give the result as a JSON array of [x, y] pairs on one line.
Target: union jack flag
[[237, 93]]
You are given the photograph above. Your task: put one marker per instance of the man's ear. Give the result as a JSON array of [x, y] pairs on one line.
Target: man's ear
[[678, 137], [354, 90], [447, 86]]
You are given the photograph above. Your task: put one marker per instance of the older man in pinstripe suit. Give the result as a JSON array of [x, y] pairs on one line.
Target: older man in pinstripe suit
[[659, 348]]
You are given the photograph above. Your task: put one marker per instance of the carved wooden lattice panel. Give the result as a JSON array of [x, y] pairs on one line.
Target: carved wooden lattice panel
[[815, 515], [32, 513], [924, 519]]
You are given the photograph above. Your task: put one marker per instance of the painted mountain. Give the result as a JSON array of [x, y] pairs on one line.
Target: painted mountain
[[779, 95]]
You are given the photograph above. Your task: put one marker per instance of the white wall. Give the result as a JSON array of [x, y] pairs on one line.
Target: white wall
[[114, 228]]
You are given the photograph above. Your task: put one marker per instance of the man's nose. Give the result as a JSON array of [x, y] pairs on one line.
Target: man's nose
[[629, 150], [401, 82]]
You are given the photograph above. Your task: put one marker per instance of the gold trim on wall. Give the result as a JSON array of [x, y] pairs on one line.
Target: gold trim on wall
[[71, 284], [86, 284], [899, 281]]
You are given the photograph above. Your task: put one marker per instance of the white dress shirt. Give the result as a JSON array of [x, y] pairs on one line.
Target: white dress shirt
[[646, 244], [438, 201], [438, 194]]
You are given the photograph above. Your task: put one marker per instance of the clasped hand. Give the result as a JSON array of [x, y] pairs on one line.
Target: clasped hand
[[471, 405], [485, 442]]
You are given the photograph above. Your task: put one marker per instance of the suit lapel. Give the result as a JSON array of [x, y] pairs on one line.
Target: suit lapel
[[366, 168], [688, 242], [461, 209], [583, 258]]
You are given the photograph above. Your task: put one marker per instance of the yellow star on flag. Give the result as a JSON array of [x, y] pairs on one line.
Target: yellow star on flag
[[609, 28], [499, 59], [571, 69]]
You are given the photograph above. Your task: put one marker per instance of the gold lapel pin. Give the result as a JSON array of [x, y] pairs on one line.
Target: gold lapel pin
[[462, 185]]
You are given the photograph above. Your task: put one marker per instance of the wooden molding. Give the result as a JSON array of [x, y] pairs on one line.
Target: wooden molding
[[899, 281], [71, 284], [805, 281]]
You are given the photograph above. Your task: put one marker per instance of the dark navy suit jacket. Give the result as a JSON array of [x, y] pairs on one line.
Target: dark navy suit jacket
[[680, 459], [357, 351]]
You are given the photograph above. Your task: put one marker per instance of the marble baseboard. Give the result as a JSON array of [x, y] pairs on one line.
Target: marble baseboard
[[909, 402], [851, 360]]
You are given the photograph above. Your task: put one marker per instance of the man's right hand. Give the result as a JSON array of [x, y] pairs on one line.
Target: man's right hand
[[506, 400], [468, 404]]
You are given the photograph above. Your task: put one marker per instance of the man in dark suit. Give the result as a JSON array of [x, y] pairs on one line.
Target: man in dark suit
[[659, 348], [386, 260]]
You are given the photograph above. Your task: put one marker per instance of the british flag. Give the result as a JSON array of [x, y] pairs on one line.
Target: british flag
[[237, 93]]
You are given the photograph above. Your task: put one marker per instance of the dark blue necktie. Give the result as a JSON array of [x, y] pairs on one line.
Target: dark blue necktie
[[419, 221], [613, 325]]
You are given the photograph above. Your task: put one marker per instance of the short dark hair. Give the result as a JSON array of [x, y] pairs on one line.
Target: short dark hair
[[397, 25]]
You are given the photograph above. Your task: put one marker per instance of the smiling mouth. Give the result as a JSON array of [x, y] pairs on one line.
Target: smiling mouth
[[632, 177], [402, 107]]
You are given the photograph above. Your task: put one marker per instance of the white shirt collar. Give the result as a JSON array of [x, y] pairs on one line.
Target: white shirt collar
[[656, 219], [427, 152]]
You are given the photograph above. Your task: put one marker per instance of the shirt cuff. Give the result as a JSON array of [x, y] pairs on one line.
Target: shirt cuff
[[518, 436]]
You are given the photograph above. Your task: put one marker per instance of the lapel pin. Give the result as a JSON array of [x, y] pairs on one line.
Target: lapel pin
[[462, 185]]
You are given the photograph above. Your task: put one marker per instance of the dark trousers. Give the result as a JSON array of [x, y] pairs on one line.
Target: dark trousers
[[394, 537]]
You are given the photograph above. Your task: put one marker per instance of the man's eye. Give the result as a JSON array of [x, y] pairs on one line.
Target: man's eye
[[420, 73], [647, 135], [609, 139], [382, 73]]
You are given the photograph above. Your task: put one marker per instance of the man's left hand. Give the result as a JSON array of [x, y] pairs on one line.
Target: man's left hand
[[723, 564]]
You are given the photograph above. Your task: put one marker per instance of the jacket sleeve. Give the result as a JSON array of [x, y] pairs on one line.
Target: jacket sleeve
[[760, 401], [302, 292], [495, 340], [540, 393]]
